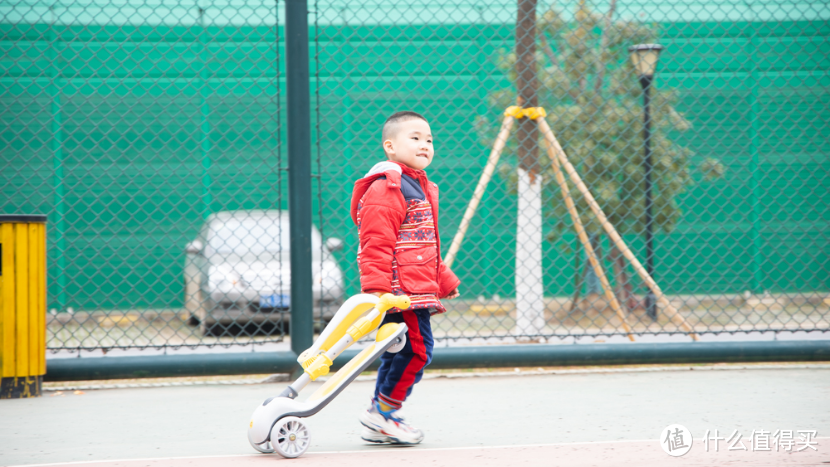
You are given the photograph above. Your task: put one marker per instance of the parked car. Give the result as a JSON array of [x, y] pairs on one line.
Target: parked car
[[238, 275]]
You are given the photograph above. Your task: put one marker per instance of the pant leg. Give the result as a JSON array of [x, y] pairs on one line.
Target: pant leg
[[406, 367], [386, 358], [426, 336]]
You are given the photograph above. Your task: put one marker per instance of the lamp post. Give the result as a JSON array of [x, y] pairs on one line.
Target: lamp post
[[644, 58]]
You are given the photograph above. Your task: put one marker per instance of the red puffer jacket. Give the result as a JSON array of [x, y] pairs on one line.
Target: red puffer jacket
[[382, 214]]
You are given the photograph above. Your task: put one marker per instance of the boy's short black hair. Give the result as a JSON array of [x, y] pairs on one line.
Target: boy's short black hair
[[389, 127]]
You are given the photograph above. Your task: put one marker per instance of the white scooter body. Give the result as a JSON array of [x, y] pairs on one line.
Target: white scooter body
[[275, 424]]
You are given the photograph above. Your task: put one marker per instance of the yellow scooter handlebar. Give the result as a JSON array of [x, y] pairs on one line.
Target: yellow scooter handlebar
[[364, 325], [388, 301]]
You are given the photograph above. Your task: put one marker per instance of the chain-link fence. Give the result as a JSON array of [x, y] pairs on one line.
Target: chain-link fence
[[738, 120], [134, 127], [151, 136]]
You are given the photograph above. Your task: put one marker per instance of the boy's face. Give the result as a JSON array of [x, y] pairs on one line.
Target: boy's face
[[411, 145]]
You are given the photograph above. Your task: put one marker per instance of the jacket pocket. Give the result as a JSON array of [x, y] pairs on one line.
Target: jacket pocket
[[417, 270]]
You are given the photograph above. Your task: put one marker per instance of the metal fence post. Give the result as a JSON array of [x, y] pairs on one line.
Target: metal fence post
[[645, 81], [204, 116], [299, 171], [55, 85]]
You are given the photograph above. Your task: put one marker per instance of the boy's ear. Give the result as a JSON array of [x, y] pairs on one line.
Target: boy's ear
[[388, 147]]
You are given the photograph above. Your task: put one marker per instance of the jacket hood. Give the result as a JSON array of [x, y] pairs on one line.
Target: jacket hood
[[382, 167], [391, 170], [385, 166]]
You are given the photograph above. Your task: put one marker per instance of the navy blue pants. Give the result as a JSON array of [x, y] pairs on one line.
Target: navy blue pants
[[400, 371]]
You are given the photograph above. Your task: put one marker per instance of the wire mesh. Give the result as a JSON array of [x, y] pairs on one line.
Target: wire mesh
[[151, 136], [738, 126]]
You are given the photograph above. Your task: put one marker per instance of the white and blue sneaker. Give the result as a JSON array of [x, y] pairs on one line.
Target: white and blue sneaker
[[387, 427], [371, 436]]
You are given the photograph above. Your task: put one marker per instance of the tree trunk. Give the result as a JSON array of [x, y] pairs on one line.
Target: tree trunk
[[619, 288], [594, 286], [530, 305], [621, 278], [579, 276], [527, 85]]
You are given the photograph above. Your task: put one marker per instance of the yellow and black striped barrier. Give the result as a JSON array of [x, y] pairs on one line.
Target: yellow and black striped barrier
[[22, 305]]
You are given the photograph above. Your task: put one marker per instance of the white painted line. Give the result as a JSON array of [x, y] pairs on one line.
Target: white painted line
[[363, 451], [467, 448], [147, 459]]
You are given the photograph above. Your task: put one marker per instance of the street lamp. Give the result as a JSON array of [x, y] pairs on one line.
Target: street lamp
[[644, 58]]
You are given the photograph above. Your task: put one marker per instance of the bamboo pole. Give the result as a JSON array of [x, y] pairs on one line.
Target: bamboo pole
[[583, 236], [559, 154], [495, 154]]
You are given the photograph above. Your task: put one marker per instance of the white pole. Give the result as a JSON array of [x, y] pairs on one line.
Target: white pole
[[530, 305]]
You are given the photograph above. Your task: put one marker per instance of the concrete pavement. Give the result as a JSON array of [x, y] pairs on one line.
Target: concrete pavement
[[503, 420]]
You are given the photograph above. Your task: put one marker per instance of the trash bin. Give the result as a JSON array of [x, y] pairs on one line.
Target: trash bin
[[22, 305]]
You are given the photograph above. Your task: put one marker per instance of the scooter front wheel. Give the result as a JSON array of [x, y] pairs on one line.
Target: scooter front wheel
[[290, 437]]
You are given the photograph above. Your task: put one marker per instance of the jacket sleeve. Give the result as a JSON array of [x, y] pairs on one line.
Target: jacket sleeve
[[447, 280], [378, 231]]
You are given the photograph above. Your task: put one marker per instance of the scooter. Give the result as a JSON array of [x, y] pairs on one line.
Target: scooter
[[277, 425]]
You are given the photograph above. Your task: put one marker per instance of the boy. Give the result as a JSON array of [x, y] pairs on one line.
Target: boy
[[395, 208]]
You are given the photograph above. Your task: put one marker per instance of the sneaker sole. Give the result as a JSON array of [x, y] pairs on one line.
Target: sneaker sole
[[371, 427], [376, 437], [378, 441], [392, 439]]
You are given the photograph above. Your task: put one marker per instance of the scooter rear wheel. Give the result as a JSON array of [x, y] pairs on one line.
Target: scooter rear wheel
[[399, 345], [290, 437]]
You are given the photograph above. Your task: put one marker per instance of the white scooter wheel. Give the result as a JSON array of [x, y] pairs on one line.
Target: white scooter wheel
[[290, 437], [399, 346], [264, 448]]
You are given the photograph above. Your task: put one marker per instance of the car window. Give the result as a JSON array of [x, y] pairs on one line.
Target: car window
[[252, 235]]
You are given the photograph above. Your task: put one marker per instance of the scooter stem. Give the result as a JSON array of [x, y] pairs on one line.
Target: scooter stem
[[360, 328]]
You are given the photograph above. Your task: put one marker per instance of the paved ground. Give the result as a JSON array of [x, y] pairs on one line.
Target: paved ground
[[571, 419]]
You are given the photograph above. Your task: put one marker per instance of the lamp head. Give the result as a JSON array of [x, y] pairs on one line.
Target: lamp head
[[644, 58]]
